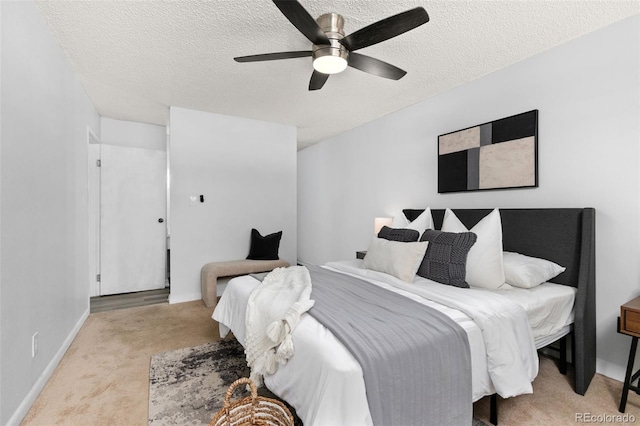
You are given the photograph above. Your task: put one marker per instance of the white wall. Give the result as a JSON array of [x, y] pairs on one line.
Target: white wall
[[588, 96], [129, 133], [246, 170], [1, 322], [43, 205]]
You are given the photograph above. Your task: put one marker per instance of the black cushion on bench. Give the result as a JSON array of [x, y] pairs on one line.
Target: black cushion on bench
[[264, 247]]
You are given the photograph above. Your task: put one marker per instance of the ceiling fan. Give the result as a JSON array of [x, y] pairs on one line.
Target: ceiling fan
[[332, 51]]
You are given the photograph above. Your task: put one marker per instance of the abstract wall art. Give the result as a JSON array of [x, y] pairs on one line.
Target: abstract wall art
[[496, 155]]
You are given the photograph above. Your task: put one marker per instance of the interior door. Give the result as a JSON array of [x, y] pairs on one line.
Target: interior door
[[133, 203]]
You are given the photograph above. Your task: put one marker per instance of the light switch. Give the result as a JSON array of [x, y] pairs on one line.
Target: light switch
[[193, 199]]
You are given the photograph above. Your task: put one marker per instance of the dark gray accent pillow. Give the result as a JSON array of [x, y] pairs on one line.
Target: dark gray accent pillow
[[399, 234], [264, 248], [446, 258]]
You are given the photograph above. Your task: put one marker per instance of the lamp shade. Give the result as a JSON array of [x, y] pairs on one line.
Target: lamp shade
[[329, 64], [379, 222]]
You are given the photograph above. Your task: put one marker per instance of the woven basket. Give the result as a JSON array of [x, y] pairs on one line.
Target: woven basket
[[251, 410]]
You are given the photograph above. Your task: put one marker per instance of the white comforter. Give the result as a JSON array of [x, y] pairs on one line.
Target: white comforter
[[324, 383]]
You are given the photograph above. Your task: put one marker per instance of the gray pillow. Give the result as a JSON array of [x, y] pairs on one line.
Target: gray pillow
[[399, 234], [446, 258]]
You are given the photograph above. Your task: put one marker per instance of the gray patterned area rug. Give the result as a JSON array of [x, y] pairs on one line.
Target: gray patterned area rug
[[187, 386]]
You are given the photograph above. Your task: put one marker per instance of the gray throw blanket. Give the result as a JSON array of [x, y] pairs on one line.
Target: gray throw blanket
[[415, 359]]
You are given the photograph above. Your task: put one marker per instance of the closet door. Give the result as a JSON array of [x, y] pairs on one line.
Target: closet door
[[133, 231]]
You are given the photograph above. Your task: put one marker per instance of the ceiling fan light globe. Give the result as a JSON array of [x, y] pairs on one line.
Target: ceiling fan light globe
[[329, 64]]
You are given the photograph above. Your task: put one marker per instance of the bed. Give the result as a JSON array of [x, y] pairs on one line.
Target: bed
[[329, 389]]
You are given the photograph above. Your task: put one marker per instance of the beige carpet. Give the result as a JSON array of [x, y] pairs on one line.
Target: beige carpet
[[104, 377]]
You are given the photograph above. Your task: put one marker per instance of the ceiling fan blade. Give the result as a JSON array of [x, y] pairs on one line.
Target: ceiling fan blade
[[301, 19], [386, 29], [375, 66], [317, 80], [273, 56]]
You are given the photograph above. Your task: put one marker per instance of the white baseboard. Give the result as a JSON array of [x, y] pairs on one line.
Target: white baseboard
[[181, 298], [37, 387], [610, 369]]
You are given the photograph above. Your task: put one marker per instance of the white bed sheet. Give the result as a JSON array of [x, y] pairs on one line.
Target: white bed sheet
[[341, 397], [338, 395], [549, 309]]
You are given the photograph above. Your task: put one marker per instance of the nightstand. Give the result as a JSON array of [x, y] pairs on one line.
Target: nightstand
[[360, 254], [629, 323]]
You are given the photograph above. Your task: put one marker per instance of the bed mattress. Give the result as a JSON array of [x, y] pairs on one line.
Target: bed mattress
[[339, 392], [549, 308]]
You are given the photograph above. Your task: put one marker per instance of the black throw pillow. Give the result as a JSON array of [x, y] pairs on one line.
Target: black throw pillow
[[446, 258], [264, 248], [399, 234]]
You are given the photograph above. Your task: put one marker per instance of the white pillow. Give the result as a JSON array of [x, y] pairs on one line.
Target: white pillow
[[400, 220], [526, 271], [484, 261], [401, 260], [420, 224]]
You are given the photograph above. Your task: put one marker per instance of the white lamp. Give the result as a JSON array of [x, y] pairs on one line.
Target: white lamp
[[379, 222]]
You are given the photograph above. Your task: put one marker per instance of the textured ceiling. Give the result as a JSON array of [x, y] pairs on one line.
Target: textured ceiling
[[137, 58]]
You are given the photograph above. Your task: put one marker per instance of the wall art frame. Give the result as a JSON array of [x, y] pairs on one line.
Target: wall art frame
[[500, 154]]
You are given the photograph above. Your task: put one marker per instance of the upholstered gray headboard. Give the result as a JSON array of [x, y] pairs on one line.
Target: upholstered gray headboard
[[566, 237]]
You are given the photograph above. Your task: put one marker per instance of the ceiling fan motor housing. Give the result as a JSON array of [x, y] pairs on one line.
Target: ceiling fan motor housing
[[333, 26]]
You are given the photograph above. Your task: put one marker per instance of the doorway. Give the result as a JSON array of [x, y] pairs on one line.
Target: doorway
[[128, 204]]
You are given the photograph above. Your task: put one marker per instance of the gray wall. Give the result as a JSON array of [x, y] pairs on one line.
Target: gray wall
[[43, 205], [246, 170], [587, 94]]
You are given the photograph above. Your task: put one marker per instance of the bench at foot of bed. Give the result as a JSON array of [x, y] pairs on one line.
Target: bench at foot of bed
[[212, 271]]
